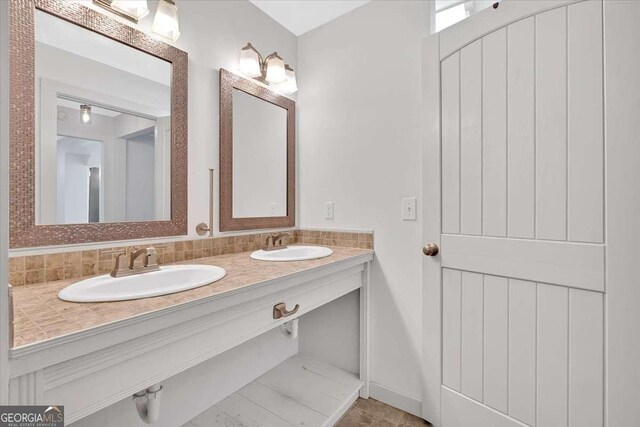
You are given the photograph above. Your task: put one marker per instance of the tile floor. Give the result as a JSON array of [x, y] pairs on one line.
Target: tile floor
[[373, 413]]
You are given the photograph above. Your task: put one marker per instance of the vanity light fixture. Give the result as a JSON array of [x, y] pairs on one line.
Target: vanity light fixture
[[250, 61], [275, 69], [85, 114], [270, 70], [165, 22], [289, 85], [133, 10]]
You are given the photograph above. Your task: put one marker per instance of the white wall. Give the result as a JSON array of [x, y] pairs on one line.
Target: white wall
[[81, 77], [94, 47], [359, 146], [76, 182], [141, 178], [331, 333], [74, 159]]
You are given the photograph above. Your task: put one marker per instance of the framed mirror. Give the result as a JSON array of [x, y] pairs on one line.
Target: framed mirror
[[257, 156], [98, 141]]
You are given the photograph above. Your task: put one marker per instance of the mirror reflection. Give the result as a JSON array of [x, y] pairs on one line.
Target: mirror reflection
[[103, 113], [259, 157]]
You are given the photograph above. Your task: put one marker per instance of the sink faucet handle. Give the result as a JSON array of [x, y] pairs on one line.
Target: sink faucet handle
[[152, 256], [118, 266], [277, 237], [274, 241]]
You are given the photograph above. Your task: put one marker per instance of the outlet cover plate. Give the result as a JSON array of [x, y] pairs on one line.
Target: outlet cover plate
[[328, 210]]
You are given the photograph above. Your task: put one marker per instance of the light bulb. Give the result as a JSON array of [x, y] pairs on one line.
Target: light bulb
[[275, 69], [85, 114], [249, 61], [136, 8], [165, 23]]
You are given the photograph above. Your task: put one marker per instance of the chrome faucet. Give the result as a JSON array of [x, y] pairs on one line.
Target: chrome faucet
[[149, 261], [274, 242]]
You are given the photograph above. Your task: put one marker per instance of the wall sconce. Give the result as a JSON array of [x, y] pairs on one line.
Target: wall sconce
[[85, 114], [165, 21], [133, 10], [270, 70]]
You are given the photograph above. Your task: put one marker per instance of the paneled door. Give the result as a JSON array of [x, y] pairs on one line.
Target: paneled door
[[514, 298]]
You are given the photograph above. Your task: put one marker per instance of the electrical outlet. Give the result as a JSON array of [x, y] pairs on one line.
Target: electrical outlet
[[328, 210], [409, 209]]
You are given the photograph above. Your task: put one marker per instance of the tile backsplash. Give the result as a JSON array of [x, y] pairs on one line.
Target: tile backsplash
[[335, 238], [34, 269]]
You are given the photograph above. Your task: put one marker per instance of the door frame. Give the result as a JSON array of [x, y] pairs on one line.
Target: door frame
[[431, 226], [435, 48], [622, 204]]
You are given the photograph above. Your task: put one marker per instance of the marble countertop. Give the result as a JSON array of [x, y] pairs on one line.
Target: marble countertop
[[39, 315]]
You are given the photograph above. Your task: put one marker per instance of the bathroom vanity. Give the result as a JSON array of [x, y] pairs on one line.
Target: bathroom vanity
[[145, 342]]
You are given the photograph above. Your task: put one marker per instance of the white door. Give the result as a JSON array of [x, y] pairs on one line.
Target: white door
[[514, 184]]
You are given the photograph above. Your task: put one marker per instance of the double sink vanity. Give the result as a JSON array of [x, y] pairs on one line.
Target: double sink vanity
[[117, 298], [149, 280], [137, 343]]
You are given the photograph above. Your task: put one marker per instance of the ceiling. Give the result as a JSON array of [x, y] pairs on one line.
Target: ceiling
[[300, 16]]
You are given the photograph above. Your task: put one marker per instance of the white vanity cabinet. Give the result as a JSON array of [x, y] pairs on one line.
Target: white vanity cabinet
[[93, 369]]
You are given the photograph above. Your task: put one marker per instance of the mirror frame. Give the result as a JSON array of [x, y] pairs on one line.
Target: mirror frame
[[229, 82], [23, 231]]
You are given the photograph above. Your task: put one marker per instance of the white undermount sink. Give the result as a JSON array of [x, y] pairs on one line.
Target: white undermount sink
[[169, 280], [293, 253]]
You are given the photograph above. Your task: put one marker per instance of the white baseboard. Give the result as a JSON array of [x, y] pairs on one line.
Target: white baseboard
[[396, 399]]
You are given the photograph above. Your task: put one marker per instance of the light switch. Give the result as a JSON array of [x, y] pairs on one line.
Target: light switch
[[409, 209], [328, 210]]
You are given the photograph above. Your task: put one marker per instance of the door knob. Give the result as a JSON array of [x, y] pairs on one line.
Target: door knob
[[430, 249]]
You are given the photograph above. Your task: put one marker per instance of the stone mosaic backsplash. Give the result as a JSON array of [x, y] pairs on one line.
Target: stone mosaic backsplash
[[34, 269], [335, 238]]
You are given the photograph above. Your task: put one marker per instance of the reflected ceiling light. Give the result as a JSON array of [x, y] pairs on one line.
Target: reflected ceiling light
[[269, 70], [165, 23], [290, 85], [85, 114], [133, 10]]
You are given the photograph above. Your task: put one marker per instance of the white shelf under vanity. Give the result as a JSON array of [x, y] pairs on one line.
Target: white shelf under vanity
[[220, 354], [301, 391]]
